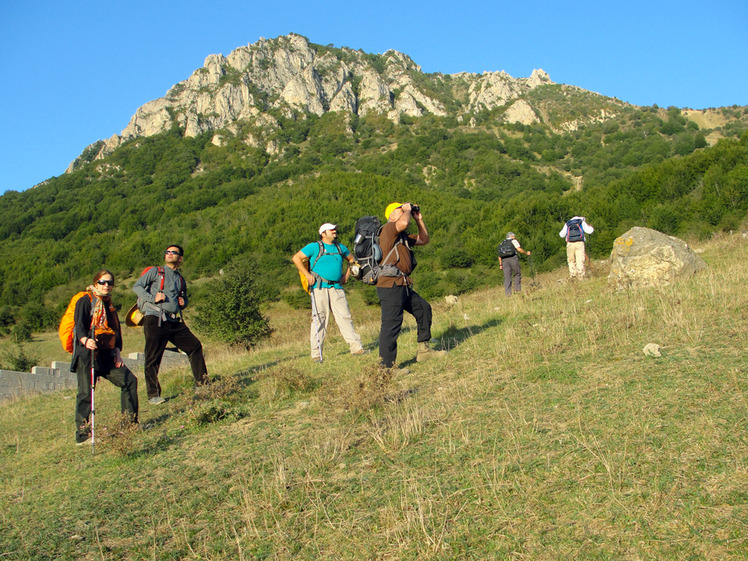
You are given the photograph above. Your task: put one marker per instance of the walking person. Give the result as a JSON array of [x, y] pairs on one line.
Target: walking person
[[575, 232], [162, 295], [97, 335], [395, 287], [321, 263], [509, 251]]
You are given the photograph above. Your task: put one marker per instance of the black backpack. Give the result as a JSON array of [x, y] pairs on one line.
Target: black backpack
[[507, 249], [574, 231], [367, 251]]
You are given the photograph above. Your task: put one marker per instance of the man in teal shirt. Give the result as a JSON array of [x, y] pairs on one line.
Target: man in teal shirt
[[322, 264]]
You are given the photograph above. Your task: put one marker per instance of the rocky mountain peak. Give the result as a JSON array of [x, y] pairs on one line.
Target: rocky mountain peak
[[289, 74]]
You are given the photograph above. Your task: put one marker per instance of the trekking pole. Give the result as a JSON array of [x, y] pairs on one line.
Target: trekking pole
[[315, 317], [532, 270], [93, 382]]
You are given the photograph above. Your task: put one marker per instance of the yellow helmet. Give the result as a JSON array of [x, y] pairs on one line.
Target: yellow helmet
[[390, 208]]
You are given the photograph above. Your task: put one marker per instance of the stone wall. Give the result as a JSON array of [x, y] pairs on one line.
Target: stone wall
[[40, 379], [58, 376]]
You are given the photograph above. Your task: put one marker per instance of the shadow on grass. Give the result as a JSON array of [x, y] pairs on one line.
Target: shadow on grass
[[454, 336], [187, 410]]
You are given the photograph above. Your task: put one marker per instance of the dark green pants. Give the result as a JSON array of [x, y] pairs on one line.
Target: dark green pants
[[121, 377]]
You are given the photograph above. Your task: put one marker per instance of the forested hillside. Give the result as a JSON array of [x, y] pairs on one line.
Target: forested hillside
[[474, 175]]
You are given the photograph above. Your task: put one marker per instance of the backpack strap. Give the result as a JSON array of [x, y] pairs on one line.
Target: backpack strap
[[182, 292], [182, 284], [322, 252], [162, 274], [400, 240]]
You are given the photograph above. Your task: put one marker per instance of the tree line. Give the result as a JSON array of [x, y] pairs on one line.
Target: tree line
[[234, 202]]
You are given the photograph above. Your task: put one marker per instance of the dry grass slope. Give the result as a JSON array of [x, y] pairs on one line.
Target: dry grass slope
[[545, 434]]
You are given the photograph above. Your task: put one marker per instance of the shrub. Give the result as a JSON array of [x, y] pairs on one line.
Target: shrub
[[297, 299], [456, 258], [17, 360], [6, 319], [231, 311], [370, 296], [21, 332]]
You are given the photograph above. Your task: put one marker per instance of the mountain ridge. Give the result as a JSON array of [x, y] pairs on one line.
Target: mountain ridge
[[289, 74]]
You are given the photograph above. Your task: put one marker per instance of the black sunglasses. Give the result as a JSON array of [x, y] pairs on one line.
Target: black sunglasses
[[103, 282], [171, 252]]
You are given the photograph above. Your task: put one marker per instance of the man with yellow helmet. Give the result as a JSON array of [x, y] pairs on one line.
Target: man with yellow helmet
[[395, 287]]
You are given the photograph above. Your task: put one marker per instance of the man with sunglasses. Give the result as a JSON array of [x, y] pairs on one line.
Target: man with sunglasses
[[162, 294]]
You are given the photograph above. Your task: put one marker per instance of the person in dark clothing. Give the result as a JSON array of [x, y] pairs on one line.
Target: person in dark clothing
[[98, 334], [162, 294], [510, 264], [395, 287]]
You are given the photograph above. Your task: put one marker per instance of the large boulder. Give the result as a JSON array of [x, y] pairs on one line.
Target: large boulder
[[643, 257]]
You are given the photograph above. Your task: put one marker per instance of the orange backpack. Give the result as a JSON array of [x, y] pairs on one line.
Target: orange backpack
[[67, 325]]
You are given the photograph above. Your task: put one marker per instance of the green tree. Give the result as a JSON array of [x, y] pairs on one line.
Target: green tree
[[231, 310], [18, 360]]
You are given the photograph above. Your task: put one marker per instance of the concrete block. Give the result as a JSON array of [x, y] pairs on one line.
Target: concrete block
[[174, 356]]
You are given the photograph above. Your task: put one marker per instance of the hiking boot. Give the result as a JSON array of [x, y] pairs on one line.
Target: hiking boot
[[426, 353], [158, 400], [393, 369], [316, 359], [80, 441], [361, 352]]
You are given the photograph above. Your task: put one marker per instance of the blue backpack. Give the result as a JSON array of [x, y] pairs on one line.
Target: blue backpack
[[574, 231]]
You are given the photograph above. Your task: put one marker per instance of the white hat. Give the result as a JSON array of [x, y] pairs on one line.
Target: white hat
[[327, 226]]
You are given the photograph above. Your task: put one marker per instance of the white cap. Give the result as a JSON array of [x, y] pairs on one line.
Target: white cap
[[327, 226]]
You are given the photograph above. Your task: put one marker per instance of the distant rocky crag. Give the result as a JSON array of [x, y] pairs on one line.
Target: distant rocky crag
[[289, 74]]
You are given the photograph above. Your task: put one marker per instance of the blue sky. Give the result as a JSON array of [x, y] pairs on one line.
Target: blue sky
[[75, 72]]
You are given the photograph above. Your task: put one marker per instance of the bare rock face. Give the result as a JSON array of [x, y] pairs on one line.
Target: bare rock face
[[289, 74], [521, 112], [643, 257], [491, 89]]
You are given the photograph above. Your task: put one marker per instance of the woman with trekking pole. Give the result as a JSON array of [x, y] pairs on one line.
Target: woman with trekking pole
[[97, 354]]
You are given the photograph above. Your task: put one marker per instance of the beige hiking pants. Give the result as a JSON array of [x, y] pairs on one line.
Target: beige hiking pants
[[575, 258], [332, 300]]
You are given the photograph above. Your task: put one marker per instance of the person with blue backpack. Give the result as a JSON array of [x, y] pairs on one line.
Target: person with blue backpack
[[575, 233], [321, 264]]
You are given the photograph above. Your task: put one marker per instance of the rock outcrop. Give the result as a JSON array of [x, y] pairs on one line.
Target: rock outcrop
[[521, 112], [643, 257], [289, 74]]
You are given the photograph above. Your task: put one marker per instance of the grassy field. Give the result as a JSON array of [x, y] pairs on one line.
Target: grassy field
[[545, 434]]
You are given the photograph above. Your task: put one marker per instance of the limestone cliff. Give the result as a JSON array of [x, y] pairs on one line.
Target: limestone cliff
[[289, 74]]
